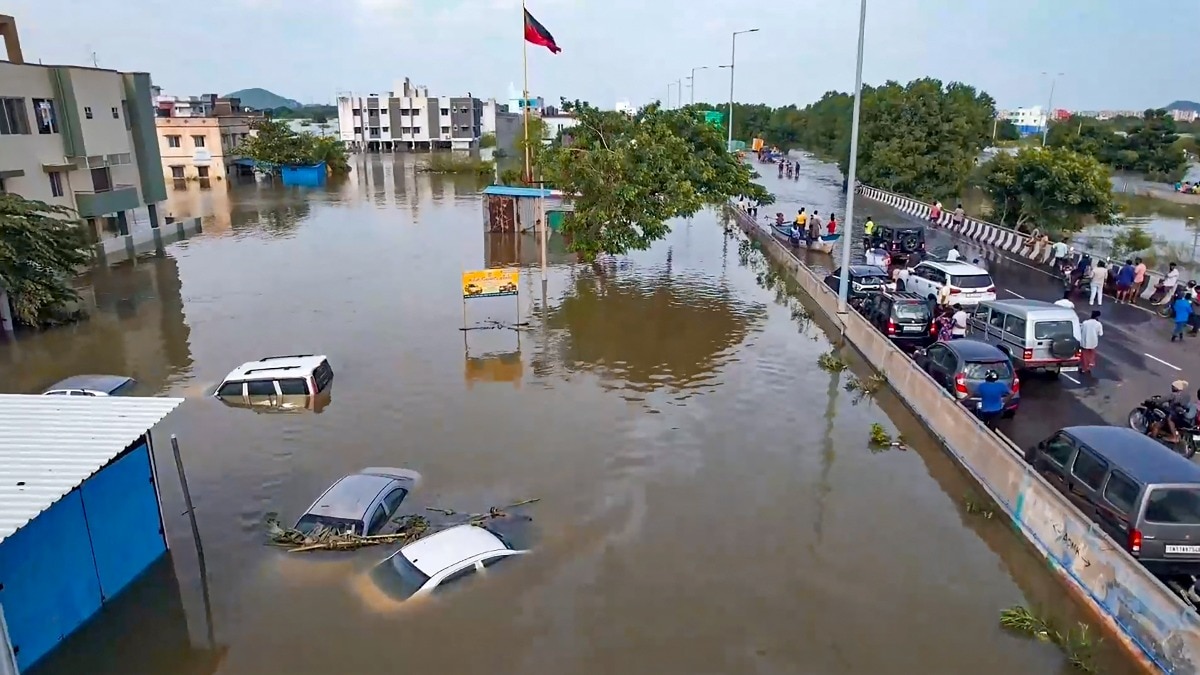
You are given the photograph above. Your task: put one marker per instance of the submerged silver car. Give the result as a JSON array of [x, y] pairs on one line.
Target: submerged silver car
[[362, 503], [92, 385]]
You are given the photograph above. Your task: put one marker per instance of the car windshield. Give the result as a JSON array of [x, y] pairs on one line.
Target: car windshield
[[971, 280], [1174, 506], [976, 370], [912, 310], [398, 577], [1049, 330], [310, 522]]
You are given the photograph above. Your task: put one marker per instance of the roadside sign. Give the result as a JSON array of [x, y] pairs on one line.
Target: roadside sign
[[489, 283]]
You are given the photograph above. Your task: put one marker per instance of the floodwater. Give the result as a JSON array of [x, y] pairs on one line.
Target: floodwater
[[709, 503]]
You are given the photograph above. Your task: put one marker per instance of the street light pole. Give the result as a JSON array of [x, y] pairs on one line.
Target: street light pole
[[1049, 106], [844, 282], [669, 85], [732, 60], [692, 81]]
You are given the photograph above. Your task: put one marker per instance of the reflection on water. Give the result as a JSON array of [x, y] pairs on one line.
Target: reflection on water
[[742, 527]]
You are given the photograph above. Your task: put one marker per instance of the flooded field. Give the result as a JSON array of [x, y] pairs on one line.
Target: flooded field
[[709, 502]]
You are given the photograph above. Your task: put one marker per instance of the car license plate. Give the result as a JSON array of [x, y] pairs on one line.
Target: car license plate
[[1172, 548], [1069, 369], [914, 329]]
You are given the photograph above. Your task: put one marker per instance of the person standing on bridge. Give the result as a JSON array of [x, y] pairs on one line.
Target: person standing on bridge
[[958, 217], [994, 395], [1181, 308], [1089, 339], [1139, 276], [1099, 275], [1065, 300], [1168, 284], [1060, 251], [1125, 277], [935, 212]]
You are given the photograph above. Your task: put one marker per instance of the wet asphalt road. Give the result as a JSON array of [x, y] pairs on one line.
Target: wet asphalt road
[[1135, 360]]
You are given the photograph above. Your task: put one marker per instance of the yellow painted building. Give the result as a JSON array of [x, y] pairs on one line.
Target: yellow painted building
[[200, 148]]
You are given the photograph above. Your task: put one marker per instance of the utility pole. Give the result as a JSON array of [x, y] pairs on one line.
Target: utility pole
[[851, 176], [692, 82], [1049, 106], [732, 60]]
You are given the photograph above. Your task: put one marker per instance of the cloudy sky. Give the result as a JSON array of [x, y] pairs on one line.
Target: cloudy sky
[[630, 50]]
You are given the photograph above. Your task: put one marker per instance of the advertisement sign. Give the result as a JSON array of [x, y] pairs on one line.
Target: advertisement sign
[[489, 283]]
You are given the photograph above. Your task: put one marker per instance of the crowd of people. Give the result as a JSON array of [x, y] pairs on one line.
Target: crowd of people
[[1188, 187]]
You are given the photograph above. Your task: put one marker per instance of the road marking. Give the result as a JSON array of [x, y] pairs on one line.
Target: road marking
[[1070, 378], [1169, 365], [1016, 294]]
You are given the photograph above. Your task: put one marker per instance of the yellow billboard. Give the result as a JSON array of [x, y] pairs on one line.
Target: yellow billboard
[[489, 283]]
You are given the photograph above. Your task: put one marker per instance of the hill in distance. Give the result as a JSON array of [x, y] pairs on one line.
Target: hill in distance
[[1184, 105], [261, 99]]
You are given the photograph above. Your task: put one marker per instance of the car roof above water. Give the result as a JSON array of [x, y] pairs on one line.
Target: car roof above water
[[271, 367], [1136, 454], [349, 497], [440, 550], [104, 383]]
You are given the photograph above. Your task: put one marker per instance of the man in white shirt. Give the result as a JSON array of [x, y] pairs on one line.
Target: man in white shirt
[[1089, 339], [953, 255], [1060, 252], [1065, 301], [1168, 285], [958, 323], [1099, 275]]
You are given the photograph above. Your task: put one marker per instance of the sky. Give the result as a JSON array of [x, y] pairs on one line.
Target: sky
[[617, 50]]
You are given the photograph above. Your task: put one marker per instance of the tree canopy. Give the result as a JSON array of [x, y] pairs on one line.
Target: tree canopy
[[273, 144], [630, 175], [41, 248], [1148, 145], [921, 138], [1055, 189]]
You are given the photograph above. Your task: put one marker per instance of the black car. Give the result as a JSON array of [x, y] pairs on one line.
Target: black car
[[903, 317], [960, 366], [864, 280], [902, 242]]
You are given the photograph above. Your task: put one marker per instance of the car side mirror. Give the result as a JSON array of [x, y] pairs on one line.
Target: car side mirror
[[1041, 445]]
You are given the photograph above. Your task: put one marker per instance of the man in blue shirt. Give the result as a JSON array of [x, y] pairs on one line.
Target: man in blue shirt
[[993, 396], [1181, 308], [1125, 282]]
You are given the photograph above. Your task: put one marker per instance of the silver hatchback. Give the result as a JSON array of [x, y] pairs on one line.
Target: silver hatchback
[[361, 503], [1036, 335]]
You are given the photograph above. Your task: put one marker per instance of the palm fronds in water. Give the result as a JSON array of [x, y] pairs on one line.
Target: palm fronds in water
[[322, 538]]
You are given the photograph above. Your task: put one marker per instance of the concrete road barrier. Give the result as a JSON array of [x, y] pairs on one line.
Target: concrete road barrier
[[1156, 626]]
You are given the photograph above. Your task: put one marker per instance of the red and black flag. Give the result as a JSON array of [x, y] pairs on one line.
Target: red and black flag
[[538, 35]]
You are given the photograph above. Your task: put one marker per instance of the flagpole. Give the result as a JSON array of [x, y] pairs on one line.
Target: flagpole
[[525, 91]]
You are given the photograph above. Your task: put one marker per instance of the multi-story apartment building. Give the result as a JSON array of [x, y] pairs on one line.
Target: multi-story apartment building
[[1027, 120], [79, 137], [408, 118], [197, 136]]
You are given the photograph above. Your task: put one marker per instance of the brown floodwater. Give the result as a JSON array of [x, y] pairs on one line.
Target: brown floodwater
[[709, 503]]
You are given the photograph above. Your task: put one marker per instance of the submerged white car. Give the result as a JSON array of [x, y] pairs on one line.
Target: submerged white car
[[440, 560]]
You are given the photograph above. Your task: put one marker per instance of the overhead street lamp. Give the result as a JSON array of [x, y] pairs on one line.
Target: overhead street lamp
[[732, 61], [1049, 105], [851, 174], [692, 81]]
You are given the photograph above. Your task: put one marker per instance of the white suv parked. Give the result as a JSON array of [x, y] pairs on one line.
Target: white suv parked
[[969, 285], [270, 379]]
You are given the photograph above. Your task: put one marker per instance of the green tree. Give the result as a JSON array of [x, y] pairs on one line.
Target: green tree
[[630, 175], [1052, 188], [41, 248], [1153, 140], [487, 140], [1007, 131], [329, 150], [274, 145]]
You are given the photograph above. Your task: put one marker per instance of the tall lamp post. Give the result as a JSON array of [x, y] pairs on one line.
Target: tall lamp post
[[844, 282], [669, 85], [732, 60], [692, 81], [1049, 106]]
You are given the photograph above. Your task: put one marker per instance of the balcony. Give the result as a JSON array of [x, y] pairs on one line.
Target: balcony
[[93, 204]]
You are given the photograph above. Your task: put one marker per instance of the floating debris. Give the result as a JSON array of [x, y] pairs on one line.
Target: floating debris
[[880, 438], [830, 362], [1077, 643], [410, 528], [978, 507], [868, 387]]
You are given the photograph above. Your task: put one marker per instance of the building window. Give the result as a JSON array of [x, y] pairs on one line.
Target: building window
[[13, 118], [56, 188], [385, 130], [87, 112], [198, 141], [173, 141], [445, 111], [202, 171], [116, 112], [177, 172], [416, 130], [358, 130], [43, 115], [358, 111], [445, 130]]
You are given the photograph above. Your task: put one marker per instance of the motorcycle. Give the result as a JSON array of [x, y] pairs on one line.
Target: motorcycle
[[1157, 409]]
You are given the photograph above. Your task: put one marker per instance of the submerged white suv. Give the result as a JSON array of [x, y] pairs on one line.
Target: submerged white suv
[[274, 379]]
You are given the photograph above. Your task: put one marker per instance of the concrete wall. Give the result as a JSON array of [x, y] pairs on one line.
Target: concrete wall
[[1149, 620], [111, 250]]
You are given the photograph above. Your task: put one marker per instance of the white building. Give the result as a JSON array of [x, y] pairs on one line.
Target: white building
[[1183, 115], [408, 118], [1027, 120], [556, 123], [626, 107]]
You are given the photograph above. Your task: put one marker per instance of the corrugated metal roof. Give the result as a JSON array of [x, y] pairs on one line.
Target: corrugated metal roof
[[49, 445], [512, 191]]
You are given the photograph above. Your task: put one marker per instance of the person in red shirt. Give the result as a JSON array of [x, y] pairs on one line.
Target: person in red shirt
[[832, 224]]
